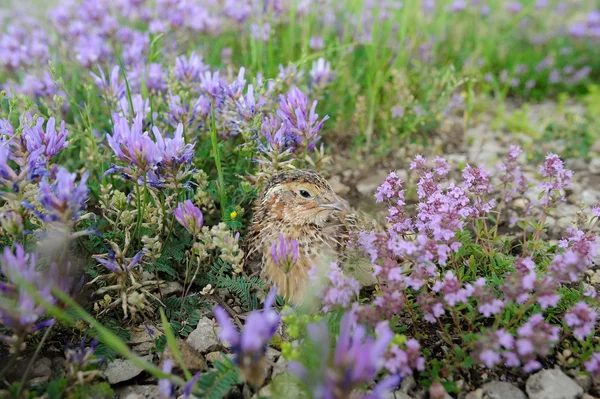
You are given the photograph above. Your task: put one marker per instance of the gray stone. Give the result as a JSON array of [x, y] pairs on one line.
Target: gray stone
[[120, 370], [143, 348], [279, 367], [408, 384], [590, 197], [42, 368], [594, 166], [338, 187], [171, 287], [138, 392], [502, 390], [204, 338], [552, 384], [476, 394], [214, 356], [143, 333], [368, 185], [34, 382]]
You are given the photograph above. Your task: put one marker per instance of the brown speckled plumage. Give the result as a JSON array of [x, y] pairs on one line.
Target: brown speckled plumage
[[321, 224]]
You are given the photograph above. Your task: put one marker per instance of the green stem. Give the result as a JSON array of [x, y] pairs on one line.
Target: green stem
[[34, 357]]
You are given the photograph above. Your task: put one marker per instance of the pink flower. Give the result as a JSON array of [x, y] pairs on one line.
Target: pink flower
[[452, 291], [583, 318], [593, 365]]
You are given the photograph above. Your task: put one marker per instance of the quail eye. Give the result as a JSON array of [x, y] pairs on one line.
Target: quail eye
[[305, 193]]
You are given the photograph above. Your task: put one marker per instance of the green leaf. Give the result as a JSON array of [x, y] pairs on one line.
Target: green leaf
[[172, 344]]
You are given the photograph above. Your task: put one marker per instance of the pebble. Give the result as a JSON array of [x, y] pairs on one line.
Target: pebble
[[594, 166], [502, 390], [138, 392], [171, 287], [279, 367], [368, 185], [214, 356], [204, 338], [42, 368], [192, 359], [34, 382], [408, 384], [552, 384], [120, 370]]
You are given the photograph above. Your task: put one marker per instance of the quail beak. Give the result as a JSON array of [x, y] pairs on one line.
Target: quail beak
[[335, 206]]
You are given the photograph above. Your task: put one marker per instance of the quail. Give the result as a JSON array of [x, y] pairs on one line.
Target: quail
[[302, 206]]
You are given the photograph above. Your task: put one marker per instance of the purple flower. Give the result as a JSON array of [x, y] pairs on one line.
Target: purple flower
[[596, 210], [535, 338], [558, 177], [113, 88], [50, 142], [189, 216], [250, 345], [132, 145], [593, 365], [488, 305], [431, 307], [284, 253], [120, 265], [80, 358], [458, 5], [18, 310], [356, 361], [339, 291], [62, 199], [514, 7], [489, 348], [189, 70], [173, 149], [452, 291], [165, 387], [316, 43], [583, 318], [321, 74], [403, 361], [299, 120]]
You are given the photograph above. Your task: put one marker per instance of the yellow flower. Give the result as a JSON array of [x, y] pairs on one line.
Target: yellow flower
[[233, 214]]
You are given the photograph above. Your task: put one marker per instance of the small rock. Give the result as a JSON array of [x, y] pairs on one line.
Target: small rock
[[594, 166], [214, 356], [338, 187], [171, 287], [476, 394], [34, 382], [584, 381], [147, 276], [120, 370], [279, 367], [519, 203], [502, 390], [264, 392], [272, 354], [590, 197], [143, 348], [368, 185], [59, 363], [408, 384], [204, 338], [576, 164], [192, 359], [138, 392], [42, 368], [143, 333], [552, 384]]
